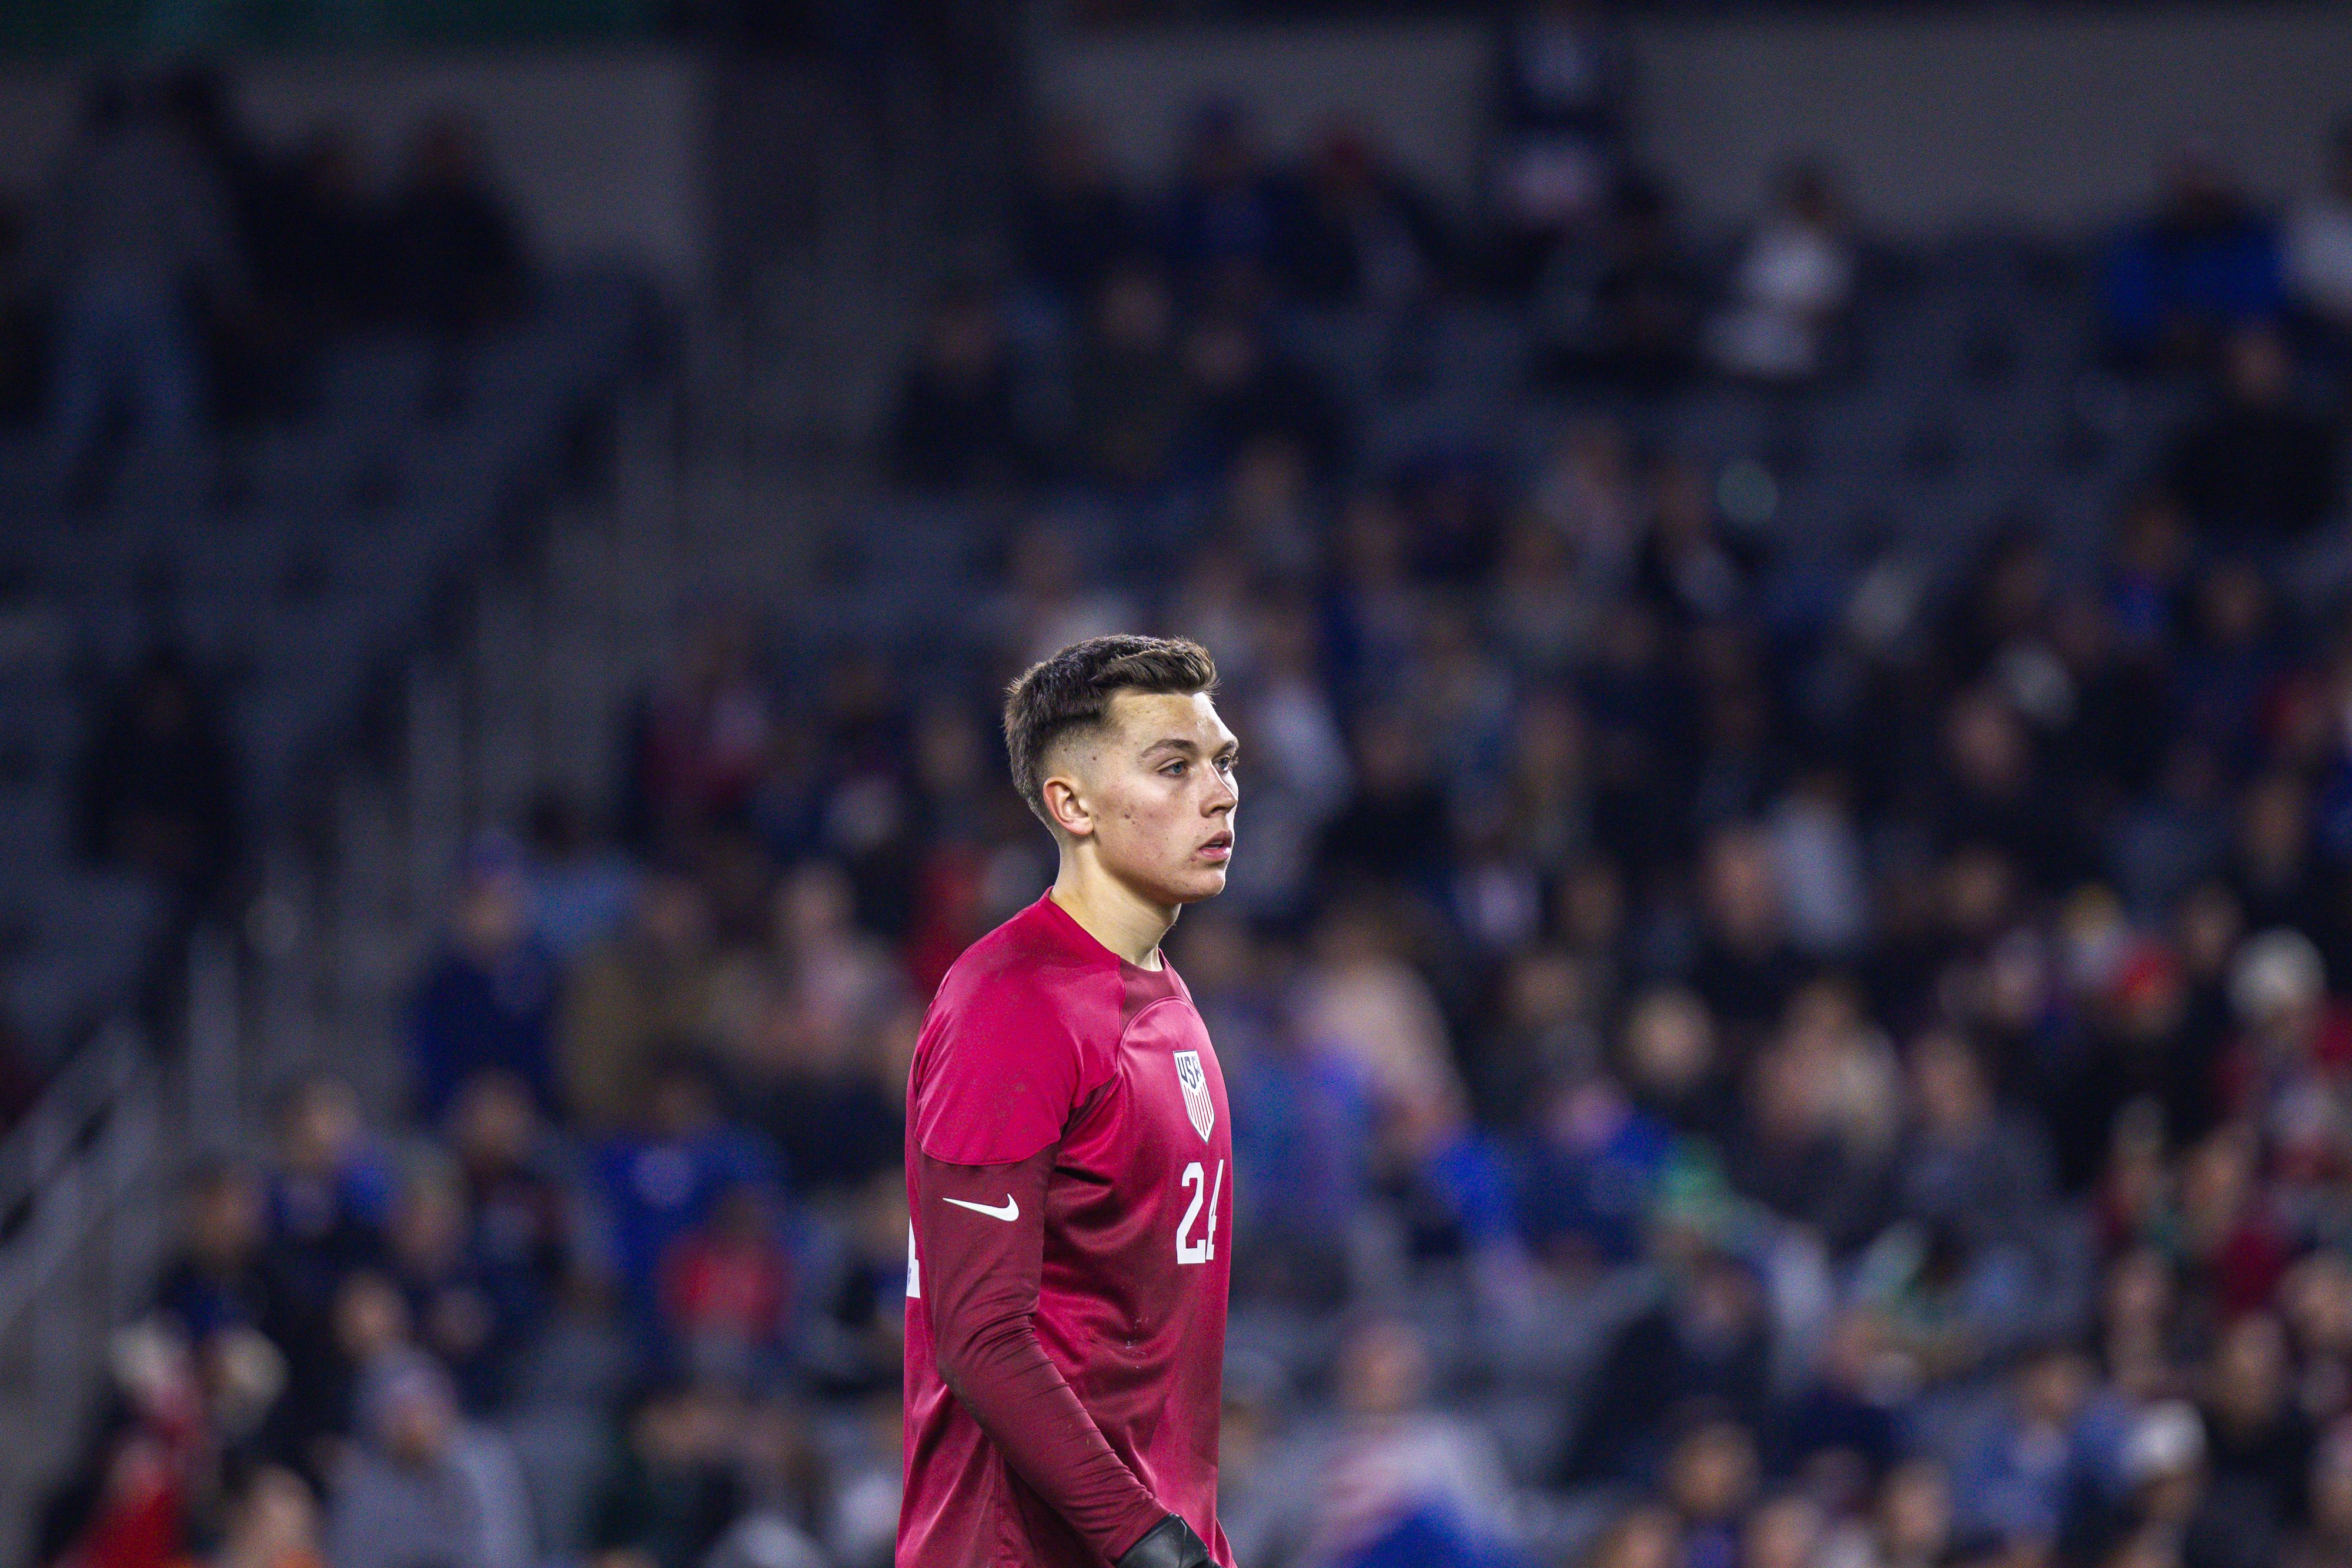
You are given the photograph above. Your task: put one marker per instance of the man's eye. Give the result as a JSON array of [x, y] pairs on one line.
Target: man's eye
[[1174, 769]]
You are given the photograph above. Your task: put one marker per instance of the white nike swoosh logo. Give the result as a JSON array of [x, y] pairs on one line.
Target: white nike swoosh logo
[[1011, 1209]]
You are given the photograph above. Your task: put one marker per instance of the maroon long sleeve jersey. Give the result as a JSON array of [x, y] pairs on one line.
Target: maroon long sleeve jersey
[[1070, 1186]]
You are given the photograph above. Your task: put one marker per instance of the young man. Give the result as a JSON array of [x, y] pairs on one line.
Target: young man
[[1069, 1154]]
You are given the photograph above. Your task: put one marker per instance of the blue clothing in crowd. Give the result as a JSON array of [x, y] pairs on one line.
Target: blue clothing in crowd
[[468, 1018]]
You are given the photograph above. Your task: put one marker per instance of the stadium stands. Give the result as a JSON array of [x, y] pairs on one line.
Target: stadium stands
[[1782, 983]]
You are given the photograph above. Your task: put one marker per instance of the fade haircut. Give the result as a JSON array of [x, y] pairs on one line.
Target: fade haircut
[[1072, 691]]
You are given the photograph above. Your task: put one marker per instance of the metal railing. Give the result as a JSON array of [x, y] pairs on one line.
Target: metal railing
[[84, 1179], [87, 1188], [80, 1151]]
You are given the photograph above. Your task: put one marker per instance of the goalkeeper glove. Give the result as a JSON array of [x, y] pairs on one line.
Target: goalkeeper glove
[[1170, 1544]]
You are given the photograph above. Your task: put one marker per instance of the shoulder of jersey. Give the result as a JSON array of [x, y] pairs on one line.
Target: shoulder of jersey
[[1022, 958]]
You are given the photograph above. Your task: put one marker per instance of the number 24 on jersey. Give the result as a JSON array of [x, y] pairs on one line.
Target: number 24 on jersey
[[1200, 1249]]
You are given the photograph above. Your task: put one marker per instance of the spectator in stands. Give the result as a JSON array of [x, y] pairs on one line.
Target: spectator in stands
[[1710, 1476], [460, 261], [864, 1530], [945, 914], [1703, 1346], [144, 1497], [2039, 1455], [1688, 565], [134, 219], [648, 990], [1239, 391], [430, 1256], [1565, 69], [2257, 470], [1360, 1002], [331, 1195], [225, 1278], [1746, 971], [274, 1524], [1127, 383], [727, 1290], [1587, 1172], [1968, 1163], [2224, 1231], [670, 1492], [1303, 1162], [1360, 233], [704, 739], [2169, 1504], [1851, 1423], [815, 1067], [1076, 223], [661, 1178], [2203, 264], [1785, 1530], [1403, 1484], [1791, 287], [158, 794], [2230, 659], [2258, 1440], [1623, 312], [1047, 601], [784, 1477], [1303, 773], [487, 1001], [253, 347], [426, 1485], [1810, 1149], [956, 425], [1642, 1536], [2316, 1301], [1387, 823], [521, 1243], [1995, 805], [321, 257], [367, 1326], [2318, 246], [1225, 217], [2327, 1540], [583, 886], [848, 1338]]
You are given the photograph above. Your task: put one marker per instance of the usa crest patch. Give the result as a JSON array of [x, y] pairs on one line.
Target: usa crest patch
[[1195, 1081]]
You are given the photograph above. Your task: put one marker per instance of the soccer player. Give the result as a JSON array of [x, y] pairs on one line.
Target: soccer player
[[1069, 1155]]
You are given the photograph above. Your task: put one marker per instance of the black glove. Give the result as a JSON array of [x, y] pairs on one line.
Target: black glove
[[1170, 1544]]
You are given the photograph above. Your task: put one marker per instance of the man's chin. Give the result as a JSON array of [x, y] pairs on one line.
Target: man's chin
[[1197, 886]]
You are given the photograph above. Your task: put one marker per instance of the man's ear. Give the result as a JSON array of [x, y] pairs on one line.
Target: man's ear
[[1066, 807]]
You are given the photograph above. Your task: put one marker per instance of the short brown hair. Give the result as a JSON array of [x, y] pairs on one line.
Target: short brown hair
[[1072, 691]]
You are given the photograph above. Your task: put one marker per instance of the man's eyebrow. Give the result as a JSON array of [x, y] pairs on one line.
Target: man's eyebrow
[[1173, 743]]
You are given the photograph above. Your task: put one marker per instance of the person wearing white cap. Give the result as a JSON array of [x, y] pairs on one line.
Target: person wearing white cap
[[2294, 1045], [425, 1488], [2170, 1512]]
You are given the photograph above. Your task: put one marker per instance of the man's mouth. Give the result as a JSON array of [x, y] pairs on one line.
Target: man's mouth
[[1219, 846]]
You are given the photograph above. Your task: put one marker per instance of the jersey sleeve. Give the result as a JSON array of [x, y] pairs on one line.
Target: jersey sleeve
[[1003, 1076], [982, 1241]]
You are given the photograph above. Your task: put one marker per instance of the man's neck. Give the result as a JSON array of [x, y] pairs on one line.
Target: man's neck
[[1112, 913]]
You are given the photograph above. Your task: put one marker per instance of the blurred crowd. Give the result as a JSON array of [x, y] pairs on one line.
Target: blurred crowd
[[178, 274], [1866, 1062]]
